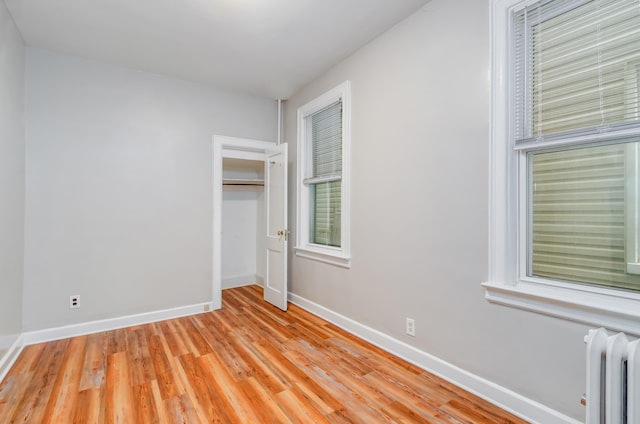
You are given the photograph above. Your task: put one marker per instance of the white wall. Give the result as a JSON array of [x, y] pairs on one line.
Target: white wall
[[119, 187], [420, 149], [12, 163], [240, 236]]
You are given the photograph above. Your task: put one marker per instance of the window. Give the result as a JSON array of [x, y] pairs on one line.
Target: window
[[323, 178], [565, 138]]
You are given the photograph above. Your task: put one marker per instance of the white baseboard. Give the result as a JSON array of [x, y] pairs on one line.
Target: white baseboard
[[506, 399], [14, 345], [241, 281], [90, 327]]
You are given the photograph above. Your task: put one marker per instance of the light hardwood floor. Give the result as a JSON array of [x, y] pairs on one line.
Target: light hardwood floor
[[246, 363]]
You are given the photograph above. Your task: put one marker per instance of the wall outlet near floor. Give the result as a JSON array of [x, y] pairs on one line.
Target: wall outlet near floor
[[74, 301], [411, 327]]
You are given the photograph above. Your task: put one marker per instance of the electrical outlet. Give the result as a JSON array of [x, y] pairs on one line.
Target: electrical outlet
[[411, 327], [74, 301], [206, 308]]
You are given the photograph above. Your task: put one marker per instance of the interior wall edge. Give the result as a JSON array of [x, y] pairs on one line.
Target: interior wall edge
[[12, 179]]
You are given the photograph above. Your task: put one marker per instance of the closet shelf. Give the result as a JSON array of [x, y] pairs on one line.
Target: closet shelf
[[242, 182]]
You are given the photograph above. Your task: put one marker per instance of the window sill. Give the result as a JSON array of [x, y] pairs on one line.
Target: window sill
[[614, 310], [321, 256]]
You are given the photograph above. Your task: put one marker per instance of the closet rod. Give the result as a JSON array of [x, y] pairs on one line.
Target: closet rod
[[242, 182]]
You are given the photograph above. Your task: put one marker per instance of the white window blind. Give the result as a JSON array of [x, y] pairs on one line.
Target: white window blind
[[325, 181], [326, 129], [578, 215], [577, 68], [576, 65], [325, 224]]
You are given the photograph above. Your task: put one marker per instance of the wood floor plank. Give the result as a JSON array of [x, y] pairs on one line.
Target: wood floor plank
[[223, 347], [248, 362], [207, 400], [341, 416], [159, 403], [162, 367], [339, 388], [27, 360], [89, 408], [197, 339], [180, 410], [261, 368], [62, 402], [94, 368], [32, 406], [141, 367], [173, 371], [319, 397], [12, 390], [359, 389], [269, 324], [188, 340], [298, 409], [469, 413], [119, 402], [174, 339], [224, 385], [265, 405], [116, 341], [405, 396], [401, 413], [145, 404]]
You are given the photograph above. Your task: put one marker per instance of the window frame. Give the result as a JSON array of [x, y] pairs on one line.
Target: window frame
[[632, 222], [339, 256], [507, 282]]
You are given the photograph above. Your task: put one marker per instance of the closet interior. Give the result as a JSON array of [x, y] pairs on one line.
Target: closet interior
[[243, 222]]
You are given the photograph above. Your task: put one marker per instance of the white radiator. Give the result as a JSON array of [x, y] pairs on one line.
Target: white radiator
[[613, 378]]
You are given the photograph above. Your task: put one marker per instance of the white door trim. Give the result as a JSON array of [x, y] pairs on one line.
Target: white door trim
[[227, 147]]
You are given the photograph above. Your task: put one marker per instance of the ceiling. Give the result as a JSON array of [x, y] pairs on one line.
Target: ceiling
[[268, 48]]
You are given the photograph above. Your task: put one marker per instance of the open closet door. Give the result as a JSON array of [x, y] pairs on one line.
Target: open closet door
[[275, 179]]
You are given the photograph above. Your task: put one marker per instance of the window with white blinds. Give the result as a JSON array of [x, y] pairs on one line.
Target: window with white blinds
[[577, 112], [577, 65], [323, 177], [326, 175], [565, 160]]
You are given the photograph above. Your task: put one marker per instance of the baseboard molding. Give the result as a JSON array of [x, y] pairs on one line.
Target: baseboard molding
[[91, 327], [14, 348], [506, 399], [241, 281]]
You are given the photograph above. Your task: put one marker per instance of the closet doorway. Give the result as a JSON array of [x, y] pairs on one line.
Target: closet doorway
[[271, 231]]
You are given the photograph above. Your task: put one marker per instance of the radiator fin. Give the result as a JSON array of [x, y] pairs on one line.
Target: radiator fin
[[615, 387], [596, 350], [633, 383], [613, 378]]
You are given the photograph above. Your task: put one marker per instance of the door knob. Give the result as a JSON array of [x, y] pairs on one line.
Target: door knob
[[284, 233]]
